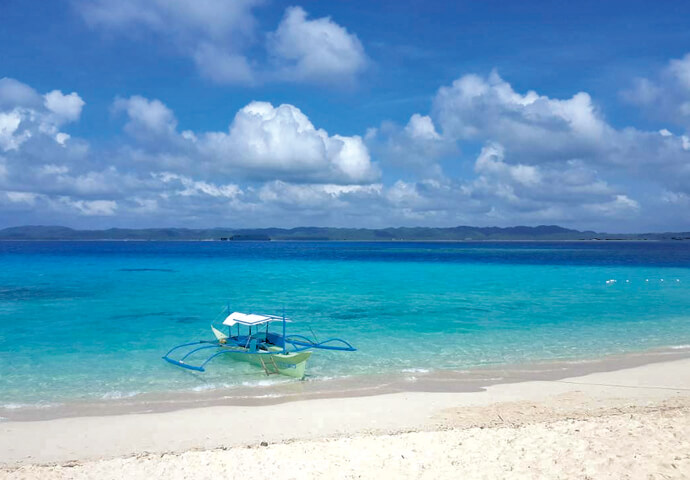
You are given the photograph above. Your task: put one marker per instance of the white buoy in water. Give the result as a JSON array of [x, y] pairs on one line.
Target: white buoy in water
[[609, 282]]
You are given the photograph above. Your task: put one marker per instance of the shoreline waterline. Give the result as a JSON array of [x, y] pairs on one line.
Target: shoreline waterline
[[280, 391]]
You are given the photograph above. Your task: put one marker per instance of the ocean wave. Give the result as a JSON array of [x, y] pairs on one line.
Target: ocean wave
[[17, 406], [415, 370], [263, 383], [269, 395], [116, 395], [210, 386], [325, 378]]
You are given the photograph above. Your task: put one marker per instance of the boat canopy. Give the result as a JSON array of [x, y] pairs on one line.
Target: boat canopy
[[250, 319]]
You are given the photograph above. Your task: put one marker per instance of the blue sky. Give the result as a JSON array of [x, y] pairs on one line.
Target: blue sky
[[255, 113]]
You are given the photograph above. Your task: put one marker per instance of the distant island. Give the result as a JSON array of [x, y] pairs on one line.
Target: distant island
[[460, 233]]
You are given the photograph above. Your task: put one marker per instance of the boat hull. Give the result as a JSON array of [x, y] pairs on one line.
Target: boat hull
[[290, 364]]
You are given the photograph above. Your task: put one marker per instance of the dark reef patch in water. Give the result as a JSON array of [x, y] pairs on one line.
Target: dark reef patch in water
[[187, 320], [470, 309], [27, 294], [140, 315], [170, 270]]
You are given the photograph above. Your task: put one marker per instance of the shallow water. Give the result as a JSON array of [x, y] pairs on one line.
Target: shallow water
[[90, 320]]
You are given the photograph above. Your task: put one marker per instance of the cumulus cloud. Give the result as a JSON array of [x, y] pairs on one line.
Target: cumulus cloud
[[213, 33], [184, 18], [262, 142], [146, 118], [667, 96], [316, 50], [10, 138], [416, 146], [282, 141], [463, 162], [297, 196], [93, 207], [14, 93], [522, 188], [188, 187], [421, 127], [474, 108], [217, 35], [490, 163], [24, 114], [542, 159], [65, 107]]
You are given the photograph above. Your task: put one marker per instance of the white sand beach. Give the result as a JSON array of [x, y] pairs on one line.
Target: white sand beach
[[630, 423]]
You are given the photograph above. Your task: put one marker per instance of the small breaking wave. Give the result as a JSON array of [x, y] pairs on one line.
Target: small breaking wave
[[17, 406], [116, 395]]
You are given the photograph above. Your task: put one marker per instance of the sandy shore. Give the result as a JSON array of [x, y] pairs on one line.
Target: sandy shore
[[630, 423]]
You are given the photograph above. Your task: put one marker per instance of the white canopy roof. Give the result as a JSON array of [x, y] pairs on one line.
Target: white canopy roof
[[250, 319]]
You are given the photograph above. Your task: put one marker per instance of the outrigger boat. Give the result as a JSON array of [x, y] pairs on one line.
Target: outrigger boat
[[276, 353]]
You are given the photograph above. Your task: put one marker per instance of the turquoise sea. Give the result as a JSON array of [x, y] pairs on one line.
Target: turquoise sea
[[90, 320]]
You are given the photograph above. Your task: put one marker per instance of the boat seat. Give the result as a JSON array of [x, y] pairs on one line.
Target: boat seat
[[252, 345]]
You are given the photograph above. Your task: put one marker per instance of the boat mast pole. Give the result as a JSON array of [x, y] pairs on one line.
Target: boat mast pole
[[284, 343]]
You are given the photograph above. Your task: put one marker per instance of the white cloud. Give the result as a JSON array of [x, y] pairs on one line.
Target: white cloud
[[488, 109], [62, 138], [215, 18], [621, 205], [93, 207], [680, 70], [273, 166], [675, 198], [316, 50], [642, 92], [533, 187], [417, 146], [222, 66], [14, 93], [217, 35], [315, 196], [21, 197], [214, 33], [24, 114], [10, 137], [667, 96], [190, 187], [66, 107], [146, 117], [262, 142], [421, 127], [51, 169], [281, 142], [490, 162]]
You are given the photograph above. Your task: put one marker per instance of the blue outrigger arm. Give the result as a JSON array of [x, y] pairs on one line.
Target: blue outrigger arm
[[302, 341], [180, 363]]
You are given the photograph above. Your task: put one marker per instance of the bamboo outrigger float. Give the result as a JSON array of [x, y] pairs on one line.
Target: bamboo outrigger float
[[276, 353]]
